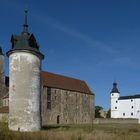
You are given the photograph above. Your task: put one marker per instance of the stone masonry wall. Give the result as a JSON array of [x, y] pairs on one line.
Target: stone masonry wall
[[3, 88], [67, 107]]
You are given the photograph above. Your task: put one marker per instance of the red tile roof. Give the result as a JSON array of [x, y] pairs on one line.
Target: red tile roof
[[63, 82], [4, 109]]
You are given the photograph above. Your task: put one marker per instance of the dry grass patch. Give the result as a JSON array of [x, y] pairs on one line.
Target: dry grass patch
[[76, 132]]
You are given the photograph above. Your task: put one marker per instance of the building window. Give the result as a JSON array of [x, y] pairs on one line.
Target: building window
[[116, 101], [112, 94], [131, 100], [131, 106], [55, 91], [123, 114], [115, 107], [131, 114], [48, 98], [55, 97]]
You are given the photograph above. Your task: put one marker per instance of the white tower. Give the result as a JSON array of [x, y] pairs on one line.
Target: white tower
[[115, 94], [24, 90]]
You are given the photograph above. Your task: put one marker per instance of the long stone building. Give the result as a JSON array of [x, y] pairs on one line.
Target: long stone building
[[34, 98]]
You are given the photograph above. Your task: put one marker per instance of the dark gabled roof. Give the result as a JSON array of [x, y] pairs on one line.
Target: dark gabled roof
[[25, 42], [63, 82], [129, 97], [1, 53], [114, 89]]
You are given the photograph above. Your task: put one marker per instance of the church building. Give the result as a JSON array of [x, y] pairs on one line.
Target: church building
[[124, 106], [33, 98]]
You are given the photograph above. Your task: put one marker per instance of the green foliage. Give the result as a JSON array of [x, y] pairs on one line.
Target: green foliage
[[108, 115], [97, 111]]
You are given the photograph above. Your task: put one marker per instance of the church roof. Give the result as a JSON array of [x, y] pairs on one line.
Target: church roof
[[25, 42], [115, 89], [129, 97], [63, 82]]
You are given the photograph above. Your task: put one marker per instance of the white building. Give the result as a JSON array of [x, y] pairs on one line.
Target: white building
[[124, 106]]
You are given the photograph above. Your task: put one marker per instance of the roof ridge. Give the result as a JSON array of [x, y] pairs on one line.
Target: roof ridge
[[63, 76]]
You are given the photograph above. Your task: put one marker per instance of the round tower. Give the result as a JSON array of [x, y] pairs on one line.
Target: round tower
[[25, 86], [115, 94]]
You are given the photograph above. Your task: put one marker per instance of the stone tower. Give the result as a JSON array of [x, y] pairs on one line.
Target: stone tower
[[115, 94], [25, 86]]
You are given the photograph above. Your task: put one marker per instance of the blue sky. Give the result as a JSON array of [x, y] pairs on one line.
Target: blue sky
[[94, 40]]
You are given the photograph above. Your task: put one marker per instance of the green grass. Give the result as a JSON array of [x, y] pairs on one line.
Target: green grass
[[76, 132]]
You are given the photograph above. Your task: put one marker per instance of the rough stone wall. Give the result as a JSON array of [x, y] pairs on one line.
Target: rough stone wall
[[3, 87], [67, 107], [114, 120], [5, 102], [24, 92]]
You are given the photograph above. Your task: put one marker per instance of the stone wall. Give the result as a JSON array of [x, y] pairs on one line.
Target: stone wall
[[67, 107], [111, 120], [3, 87]]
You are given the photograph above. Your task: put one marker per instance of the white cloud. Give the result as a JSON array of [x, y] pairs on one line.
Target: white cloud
[[44, 19]]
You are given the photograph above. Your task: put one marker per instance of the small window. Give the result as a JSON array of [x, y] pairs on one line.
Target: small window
[[48, 105], [112, 94], [48, 98], [131, 100], [131, 114], [132, 107], [123, 114], [116, 101], [55, 97], [115, 107]]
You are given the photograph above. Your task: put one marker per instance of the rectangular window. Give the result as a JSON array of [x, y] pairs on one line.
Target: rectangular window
[[131, 106], [116, 101], [131, 114], [123, 114], [115, 107], [48, 98], [131, 100]]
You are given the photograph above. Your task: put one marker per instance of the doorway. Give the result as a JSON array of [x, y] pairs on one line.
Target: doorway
[[58, 119]]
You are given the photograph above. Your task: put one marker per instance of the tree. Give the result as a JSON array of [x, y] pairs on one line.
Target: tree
[[97, 111], [108, 115]]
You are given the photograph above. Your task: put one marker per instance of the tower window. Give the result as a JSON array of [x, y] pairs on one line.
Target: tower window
[[48, 98], [123, 114], [131, 100], [115, 107], [55, 97], [131, 106], [112, 94], [116, 101], [131, 114]]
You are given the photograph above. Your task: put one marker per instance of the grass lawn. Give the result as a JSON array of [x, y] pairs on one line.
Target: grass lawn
[[76, 132]]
